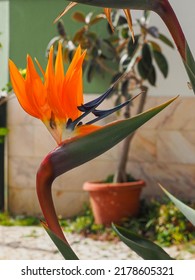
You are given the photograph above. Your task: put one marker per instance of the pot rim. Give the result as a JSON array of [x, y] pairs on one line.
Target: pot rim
[[101, 186]]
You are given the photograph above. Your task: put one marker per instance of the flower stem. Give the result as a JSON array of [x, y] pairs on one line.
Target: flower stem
[[44, 182], [166, 12]]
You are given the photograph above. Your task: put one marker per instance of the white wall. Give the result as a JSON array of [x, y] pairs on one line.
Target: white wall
[[4, 39]]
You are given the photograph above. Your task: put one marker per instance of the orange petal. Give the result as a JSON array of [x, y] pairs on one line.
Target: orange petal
[[73, 97], [70, 6], [59, 68], [49, 70], [73, 89], [36, 92], [50, 84], [129, 20], [73, 62], [107, 12], [40, 67], [18, 84]]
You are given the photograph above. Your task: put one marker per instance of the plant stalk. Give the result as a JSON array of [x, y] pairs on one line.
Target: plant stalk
[[121, 173], [44, 182]]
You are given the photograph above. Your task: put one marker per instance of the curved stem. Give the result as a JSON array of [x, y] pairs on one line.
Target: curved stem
[[166, 12], [44, 182], [120, 4]]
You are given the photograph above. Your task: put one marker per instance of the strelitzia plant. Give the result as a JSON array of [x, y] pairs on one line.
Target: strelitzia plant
[[146, 249], [164, 10], [56, 99]]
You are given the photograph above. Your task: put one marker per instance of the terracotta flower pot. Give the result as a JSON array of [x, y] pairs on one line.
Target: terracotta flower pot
[[111, 202]]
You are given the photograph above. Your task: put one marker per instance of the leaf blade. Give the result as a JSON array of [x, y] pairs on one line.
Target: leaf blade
[[63, 248], [188, 212], [146, 249], [161, 62], [166, 40]]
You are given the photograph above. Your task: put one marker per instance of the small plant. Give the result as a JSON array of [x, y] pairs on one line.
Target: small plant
[[172, 227], [8, 220], [3, 133]]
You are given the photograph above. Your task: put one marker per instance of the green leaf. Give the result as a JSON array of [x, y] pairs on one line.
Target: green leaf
[[188, 212], [155, 46], [146, 14], [190, 59], [3, 131], [143, 71], [190, 66], [90, 71], [166, 40], [152, 76], [132, 46], [146, 249], [147, 73], [191, 75], [161, 62], [106, 48], [146, 56], [63, 248]]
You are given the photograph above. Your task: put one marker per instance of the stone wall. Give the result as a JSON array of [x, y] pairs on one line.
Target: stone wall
[[163, 151]]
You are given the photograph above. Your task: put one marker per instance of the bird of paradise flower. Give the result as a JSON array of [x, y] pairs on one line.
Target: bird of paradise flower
[[57, 100]]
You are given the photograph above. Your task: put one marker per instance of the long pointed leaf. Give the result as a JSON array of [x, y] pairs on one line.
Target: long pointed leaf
[[188, 212], [146, 249], [63, 248], [190, 66]]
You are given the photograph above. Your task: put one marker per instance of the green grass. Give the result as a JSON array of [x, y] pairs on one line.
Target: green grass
[[8, 220]]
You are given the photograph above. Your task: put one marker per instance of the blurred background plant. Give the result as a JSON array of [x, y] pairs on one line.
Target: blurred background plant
[[6, 94], [136, 59]]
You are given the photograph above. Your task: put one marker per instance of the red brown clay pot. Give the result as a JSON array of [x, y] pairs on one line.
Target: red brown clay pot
[[111, 202]]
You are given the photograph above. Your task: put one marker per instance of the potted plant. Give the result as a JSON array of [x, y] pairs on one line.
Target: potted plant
[[137, 58]]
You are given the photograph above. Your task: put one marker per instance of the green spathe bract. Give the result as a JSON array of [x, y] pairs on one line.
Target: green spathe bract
[[82, 149]]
